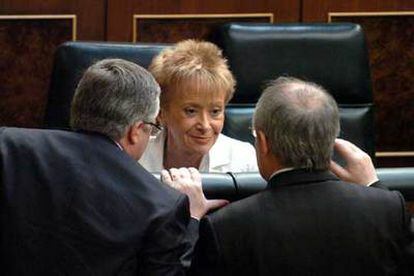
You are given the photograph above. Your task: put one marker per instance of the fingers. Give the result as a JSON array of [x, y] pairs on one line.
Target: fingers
[[175, 174], [195, 175], [184, 173], [216, 203], [359, 168], [352, 146], [166, 178], [188, 181], [182, 179], [190, 173], [348, 150], [338, 170], [172, 178], [345, 149], [345, 143], [351, 153]]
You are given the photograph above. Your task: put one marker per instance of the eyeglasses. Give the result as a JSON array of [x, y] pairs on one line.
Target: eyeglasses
[[155, 128]]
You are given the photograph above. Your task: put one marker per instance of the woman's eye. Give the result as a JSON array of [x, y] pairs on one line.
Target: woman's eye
[[189, 111], [216, 112]]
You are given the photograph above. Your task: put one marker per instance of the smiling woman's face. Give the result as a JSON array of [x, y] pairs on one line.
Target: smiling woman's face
[[194, 117]]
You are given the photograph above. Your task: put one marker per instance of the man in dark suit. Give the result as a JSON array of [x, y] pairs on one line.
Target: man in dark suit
[[77, 203], [307, 221]]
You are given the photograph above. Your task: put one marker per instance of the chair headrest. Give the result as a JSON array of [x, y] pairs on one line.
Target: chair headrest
[[333, 55], [73, 58]]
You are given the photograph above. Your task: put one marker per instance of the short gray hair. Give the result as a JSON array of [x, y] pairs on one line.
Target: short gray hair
[[112, 95], [301, 121]]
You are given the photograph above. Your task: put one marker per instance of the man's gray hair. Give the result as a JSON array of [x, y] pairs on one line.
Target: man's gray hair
[[300, 120], [112, 95]]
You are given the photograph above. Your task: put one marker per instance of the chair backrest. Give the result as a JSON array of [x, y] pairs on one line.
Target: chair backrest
[[73, 58], [236, 186], [332, 55]]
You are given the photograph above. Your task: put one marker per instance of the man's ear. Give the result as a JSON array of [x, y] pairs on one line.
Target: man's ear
[[133, 132], [262, 143]]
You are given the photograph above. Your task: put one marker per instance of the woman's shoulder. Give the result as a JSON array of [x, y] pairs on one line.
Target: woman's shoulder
[[235, 155], [224, 140]]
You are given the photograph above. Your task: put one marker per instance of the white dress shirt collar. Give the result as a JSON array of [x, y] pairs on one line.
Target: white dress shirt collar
[[281, 171]]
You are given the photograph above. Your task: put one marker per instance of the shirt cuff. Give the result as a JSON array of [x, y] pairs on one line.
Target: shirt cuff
[[372, 182], [195, 218]]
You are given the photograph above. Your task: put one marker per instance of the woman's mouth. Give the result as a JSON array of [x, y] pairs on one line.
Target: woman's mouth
[[201, 139]]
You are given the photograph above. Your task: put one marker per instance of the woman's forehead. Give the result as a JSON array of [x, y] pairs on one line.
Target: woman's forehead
[[196, 90]]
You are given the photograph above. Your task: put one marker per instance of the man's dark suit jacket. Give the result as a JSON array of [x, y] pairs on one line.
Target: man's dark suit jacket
[[306, 223], [76, 204]]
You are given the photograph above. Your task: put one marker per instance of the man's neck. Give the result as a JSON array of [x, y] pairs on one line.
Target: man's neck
[[270, 165], [126, 147]]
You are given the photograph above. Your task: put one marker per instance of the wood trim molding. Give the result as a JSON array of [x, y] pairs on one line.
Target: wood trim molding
[[136, 17], [45, 16], [394, 154], [367, 14]]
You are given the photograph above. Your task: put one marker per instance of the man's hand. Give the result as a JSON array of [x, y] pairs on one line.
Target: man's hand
[[188, 181], [359, 168]]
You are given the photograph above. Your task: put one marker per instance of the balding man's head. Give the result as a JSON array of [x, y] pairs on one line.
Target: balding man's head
[[300, 120]]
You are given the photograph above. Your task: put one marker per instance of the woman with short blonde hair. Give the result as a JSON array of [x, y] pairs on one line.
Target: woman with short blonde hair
[[196, 84]]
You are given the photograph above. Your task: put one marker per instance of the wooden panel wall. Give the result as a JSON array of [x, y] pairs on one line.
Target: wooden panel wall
[[91, 14], [26, 66], [173, 28], [317, 10], [120, 17], [27, 44]]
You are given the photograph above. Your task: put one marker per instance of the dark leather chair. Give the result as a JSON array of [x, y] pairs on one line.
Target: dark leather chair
[[223, 185], [400, 179], [332, 55], [73, 58], [235, 186]]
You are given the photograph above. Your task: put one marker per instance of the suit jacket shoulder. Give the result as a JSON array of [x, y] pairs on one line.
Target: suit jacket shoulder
[[309, 222], [87, 207]]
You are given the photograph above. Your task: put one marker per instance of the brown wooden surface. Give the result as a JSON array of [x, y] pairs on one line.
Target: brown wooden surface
[[91, 14], [317, 10], [171, 30], [26, 60], [410, 207], [384, 162], [27, 48], [390, 41], [120, 15]]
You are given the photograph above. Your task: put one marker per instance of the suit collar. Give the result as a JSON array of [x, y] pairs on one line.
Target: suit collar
[[300, 177], [96, 134], [101, 137]]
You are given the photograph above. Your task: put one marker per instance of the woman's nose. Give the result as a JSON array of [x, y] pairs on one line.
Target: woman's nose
[[204, 121]]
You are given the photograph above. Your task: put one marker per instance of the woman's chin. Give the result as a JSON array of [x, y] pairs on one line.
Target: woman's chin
[[201, 148], [202, 141], [200, 145]]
